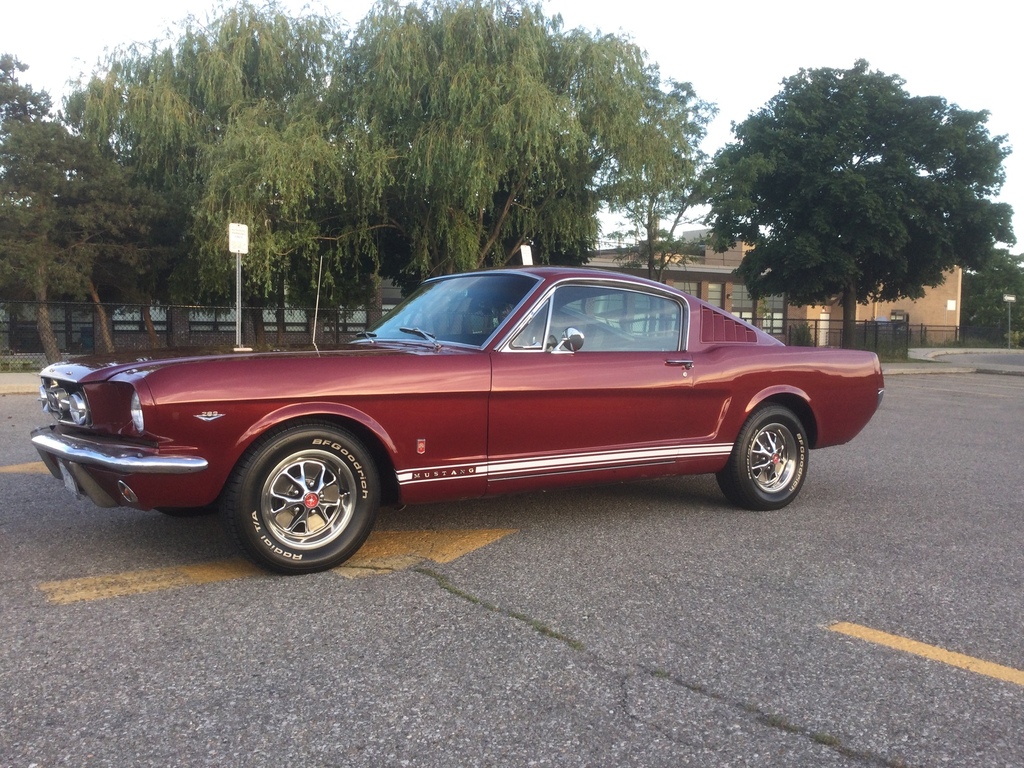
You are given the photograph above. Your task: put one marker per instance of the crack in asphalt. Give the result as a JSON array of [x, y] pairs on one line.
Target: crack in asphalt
[[752, 712]]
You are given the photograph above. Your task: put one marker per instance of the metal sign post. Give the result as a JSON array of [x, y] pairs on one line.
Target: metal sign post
[[1009, 298], [238, 244]]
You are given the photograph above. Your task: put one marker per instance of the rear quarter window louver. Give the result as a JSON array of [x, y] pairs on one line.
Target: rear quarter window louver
[[717, 327]]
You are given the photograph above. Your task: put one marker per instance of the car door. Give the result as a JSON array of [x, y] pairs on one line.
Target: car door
[[619, 407]]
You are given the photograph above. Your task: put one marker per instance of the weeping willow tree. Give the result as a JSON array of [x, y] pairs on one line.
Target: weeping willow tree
[[499, 124], [430, 139], [228, 121]]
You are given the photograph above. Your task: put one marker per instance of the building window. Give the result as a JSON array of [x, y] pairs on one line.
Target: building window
[[774, 308], [690, 286], [716, 294], [130, 319], [742, 301], [770, 311]]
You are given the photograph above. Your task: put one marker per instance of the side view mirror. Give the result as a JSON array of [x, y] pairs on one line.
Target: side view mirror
[[572, 341]]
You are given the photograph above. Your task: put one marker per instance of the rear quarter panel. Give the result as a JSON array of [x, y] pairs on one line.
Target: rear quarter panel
[[840, 388]]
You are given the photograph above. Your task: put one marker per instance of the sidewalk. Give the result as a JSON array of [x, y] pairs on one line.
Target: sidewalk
[[19, 383], [945, 360]]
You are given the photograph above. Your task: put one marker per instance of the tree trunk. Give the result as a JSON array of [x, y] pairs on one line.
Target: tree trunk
[[105, 339], [280, 310], [43, 324], [850, 315], [147, 317], [652, 233], [46, 336], [259, 333]]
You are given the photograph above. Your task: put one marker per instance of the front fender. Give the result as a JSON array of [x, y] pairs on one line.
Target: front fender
[[294, 411]]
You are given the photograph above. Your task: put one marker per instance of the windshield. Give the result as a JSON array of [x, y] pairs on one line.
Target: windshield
[[466, 309]]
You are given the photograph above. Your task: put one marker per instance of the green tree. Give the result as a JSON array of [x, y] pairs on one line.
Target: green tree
[[499, 125], [847, 186], [658, 175], [64, 207], [228, 123], [983, 292]]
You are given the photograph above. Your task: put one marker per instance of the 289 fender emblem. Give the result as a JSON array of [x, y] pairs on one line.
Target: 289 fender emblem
[[209, 415]]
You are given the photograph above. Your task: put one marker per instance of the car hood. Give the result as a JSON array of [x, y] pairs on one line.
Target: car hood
[[103, 367]]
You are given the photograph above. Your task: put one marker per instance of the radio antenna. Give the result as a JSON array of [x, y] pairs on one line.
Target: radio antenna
[[316, 309]]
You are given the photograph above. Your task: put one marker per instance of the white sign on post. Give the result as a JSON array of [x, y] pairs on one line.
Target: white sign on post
[[238, 238], [1009, 298]]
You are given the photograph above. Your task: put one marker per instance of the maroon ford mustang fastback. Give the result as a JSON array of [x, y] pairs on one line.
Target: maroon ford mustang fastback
[[478, 384]]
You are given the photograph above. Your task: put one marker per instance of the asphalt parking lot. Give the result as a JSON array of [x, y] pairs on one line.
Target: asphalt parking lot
[[876, 621]]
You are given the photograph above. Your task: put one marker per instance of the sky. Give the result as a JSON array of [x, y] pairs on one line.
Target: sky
[[735, 54]]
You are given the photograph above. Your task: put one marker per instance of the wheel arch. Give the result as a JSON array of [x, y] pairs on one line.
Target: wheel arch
[[368, 431], [796, 401]]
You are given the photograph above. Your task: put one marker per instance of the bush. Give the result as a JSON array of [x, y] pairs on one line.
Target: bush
[[800, 335]]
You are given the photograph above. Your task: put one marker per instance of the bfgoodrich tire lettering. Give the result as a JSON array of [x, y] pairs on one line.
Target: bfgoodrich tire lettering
[[768, 464], [303, 498]]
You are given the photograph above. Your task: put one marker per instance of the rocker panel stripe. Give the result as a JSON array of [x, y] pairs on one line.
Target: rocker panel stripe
[[506, 469]]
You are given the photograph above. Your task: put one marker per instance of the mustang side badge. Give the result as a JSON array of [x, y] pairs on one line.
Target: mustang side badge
[[421, 445], [209, 415]]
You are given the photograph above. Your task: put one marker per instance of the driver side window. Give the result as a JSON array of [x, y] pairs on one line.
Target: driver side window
[[617, 320]]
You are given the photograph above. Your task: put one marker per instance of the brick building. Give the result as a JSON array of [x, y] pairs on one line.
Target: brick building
[[710, 277]]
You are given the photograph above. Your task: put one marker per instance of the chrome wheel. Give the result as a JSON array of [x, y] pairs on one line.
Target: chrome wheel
[[772, 458], [303, 498], [768, 463], [307, 499]]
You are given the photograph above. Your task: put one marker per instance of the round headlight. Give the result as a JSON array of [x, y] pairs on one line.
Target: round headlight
[[137, 420], [79, 409]]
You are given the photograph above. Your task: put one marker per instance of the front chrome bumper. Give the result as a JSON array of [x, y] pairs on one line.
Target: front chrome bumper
[[69, 459], [114, 457]]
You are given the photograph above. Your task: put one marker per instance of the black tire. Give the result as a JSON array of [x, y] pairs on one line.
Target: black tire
[[303, 498], [768, 464]]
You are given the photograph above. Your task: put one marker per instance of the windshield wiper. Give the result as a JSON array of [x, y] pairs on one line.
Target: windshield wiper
[[426, 335], [419, 332], [366, 335]]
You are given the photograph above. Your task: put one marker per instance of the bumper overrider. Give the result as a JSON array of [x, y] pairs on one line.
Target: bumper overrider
[[70, 459]]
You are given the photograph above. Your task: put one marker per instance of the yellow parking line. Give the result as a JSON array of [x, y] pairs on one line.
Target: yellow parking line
[[439, 546], [140, 582], [31, 467], [998, 671], [383, 551]]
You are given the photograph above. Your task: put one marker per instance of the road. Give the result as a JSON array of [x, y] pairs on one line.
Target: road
[[875, 622]]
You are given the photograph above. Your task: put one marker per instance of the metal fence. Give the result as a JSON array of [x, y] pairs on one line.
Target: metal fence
[[892, 339], [80, 328]]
